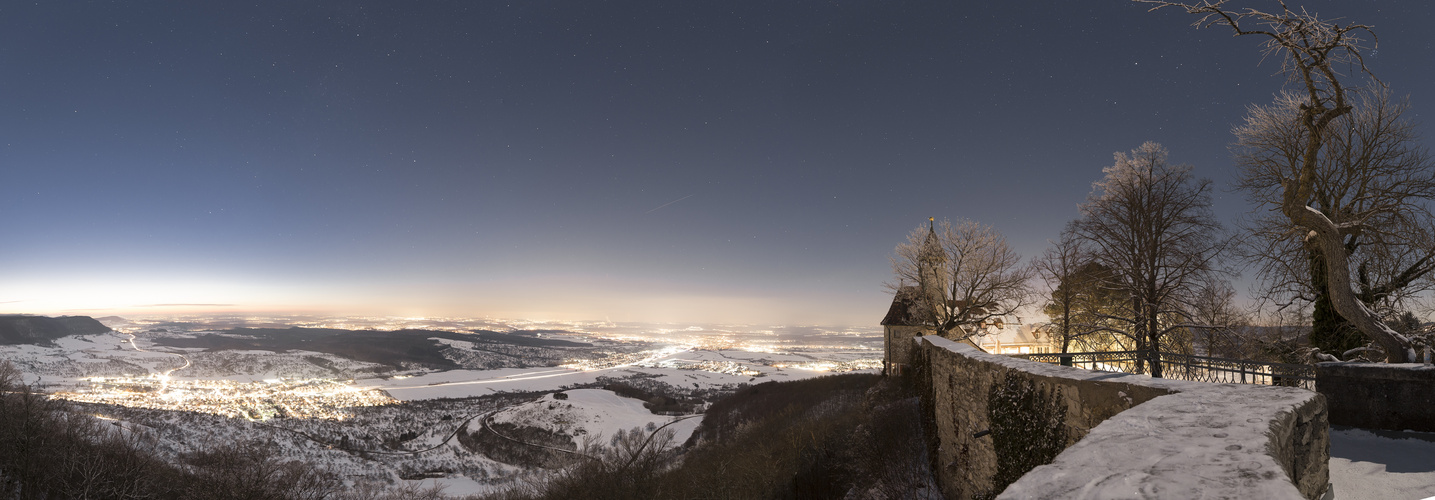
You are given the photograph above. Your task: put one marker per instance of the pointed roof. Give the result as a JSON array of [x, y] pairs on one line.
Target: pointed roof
[[900, 314], [931, 252]]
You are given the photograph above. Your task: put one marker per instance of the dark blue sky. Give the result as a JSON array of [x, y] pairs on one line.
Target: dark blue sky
[[644, 161]]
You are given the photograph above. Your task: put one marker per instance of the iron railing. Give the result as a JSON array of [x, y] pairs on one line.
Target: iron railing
[[1187, 367]]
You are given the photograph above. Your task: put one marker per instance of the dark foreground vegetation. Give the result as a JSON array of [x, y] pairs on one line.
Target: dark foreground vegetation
[[514, 444], [830, 437], [48, 452]]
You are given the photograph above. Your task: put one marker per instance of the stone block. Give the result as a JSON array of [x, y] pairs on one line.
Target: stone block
[[1398, 396]]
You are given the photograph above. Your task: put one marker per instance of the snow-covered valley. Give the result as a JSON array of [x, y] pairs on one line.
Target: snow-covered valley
[[414, 422]]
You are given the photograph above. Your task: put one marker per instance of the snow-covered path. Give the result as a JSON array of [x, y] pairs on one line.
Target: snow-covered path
[[1381, 464]]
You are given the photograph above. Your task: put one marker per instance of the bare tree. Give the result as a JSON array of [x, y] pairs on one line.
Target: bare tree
[[1058, 267], [1151, 223], [1217, 320], [1370, 159], [1080, 298], [967, 276], [244, 470], [1311, 50]]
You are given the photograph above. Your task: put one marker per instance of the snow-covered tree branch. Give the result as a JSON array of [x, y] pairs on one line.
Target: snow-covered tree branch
[[968, 276], [1312, 50]]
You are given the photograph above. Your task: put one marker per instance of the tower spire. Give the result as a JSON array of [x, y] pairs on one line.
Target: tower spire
[[931, 252], [931, 274]]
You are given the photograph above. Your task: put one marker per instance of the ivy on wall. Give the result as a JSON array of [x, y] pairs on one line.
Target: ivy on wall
[[1028, 428]]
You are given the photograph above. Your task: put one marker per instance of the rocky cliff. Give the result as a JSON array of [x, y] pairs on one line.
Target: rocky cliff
[[22, 329]]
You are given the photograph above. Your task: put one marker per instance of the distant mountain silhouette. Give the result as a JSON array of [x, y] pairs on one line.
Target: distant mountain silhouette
[[112, 320], [23, 329]]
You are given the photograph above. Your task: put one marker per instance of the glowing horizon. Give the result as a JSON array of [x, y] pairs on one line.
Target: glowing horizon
[[199, 298]]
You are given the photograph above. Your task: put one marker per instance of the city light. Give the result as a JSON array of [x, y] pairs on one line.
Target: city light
[[291, 398], [165, 387]]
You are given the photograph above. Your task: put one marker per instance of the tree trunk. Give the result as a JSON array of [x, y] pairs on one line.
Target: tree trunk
[[1138, 330], [1066, 329], [1153, 330], [1329, 331], [1327, 237]]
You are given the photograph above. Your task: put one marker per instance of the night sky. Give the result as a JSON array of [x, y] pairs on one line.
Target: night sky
[[740, 162]]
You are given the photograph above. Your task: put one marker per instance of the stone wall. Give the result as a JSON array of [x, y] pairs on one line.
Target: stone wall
[[1379, 395], [1032, 430], [898, 346]]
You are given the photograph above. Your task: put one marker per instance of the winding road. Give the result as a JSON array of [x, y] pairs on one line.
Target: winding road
[[163, 377]]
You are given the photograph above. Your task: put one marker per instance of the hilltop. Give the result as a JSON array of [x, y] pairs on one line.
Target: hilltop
[[26, 329]]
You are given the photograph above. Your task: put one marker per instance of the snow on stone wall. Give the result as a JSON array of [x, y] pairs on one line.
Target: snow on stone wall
[[1000, 419]]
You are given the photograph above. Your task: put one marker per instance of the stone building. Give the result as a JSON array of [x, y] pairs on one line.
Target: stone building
[[899, 329], [904, 321], [1016, 337]]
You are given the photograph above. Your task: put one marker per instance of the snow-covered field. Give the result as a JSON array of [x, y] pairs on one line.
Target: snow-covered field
[[593, 414], [1382, 464], [685, 368], [74, 358]]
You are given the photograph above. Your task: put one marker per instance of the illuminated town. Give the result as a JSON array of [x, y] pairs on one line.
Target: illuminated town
[[294, 392], [833, 366], [667, 358], [311, 398]]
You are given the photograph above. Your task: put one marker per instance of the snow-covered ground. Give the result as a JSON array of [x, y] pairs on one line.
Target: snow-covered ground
[[458, 486], [684, 368], [593, 414], [415, 438], [1381, 464], [113, 354]]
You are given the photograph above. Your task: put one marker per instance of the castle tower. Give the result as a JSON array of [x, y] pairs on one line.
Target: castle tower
[[913, 312], [931, 263]]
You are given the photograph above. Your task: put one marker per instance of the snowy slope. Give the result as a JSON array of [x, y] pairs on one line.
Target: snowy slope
[[469, 383], [591, 413]]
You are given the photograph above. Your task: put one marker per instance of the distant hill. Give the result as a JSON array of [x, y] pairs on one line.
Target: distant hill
[[23, 329], [393, 348], [112, 321]]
